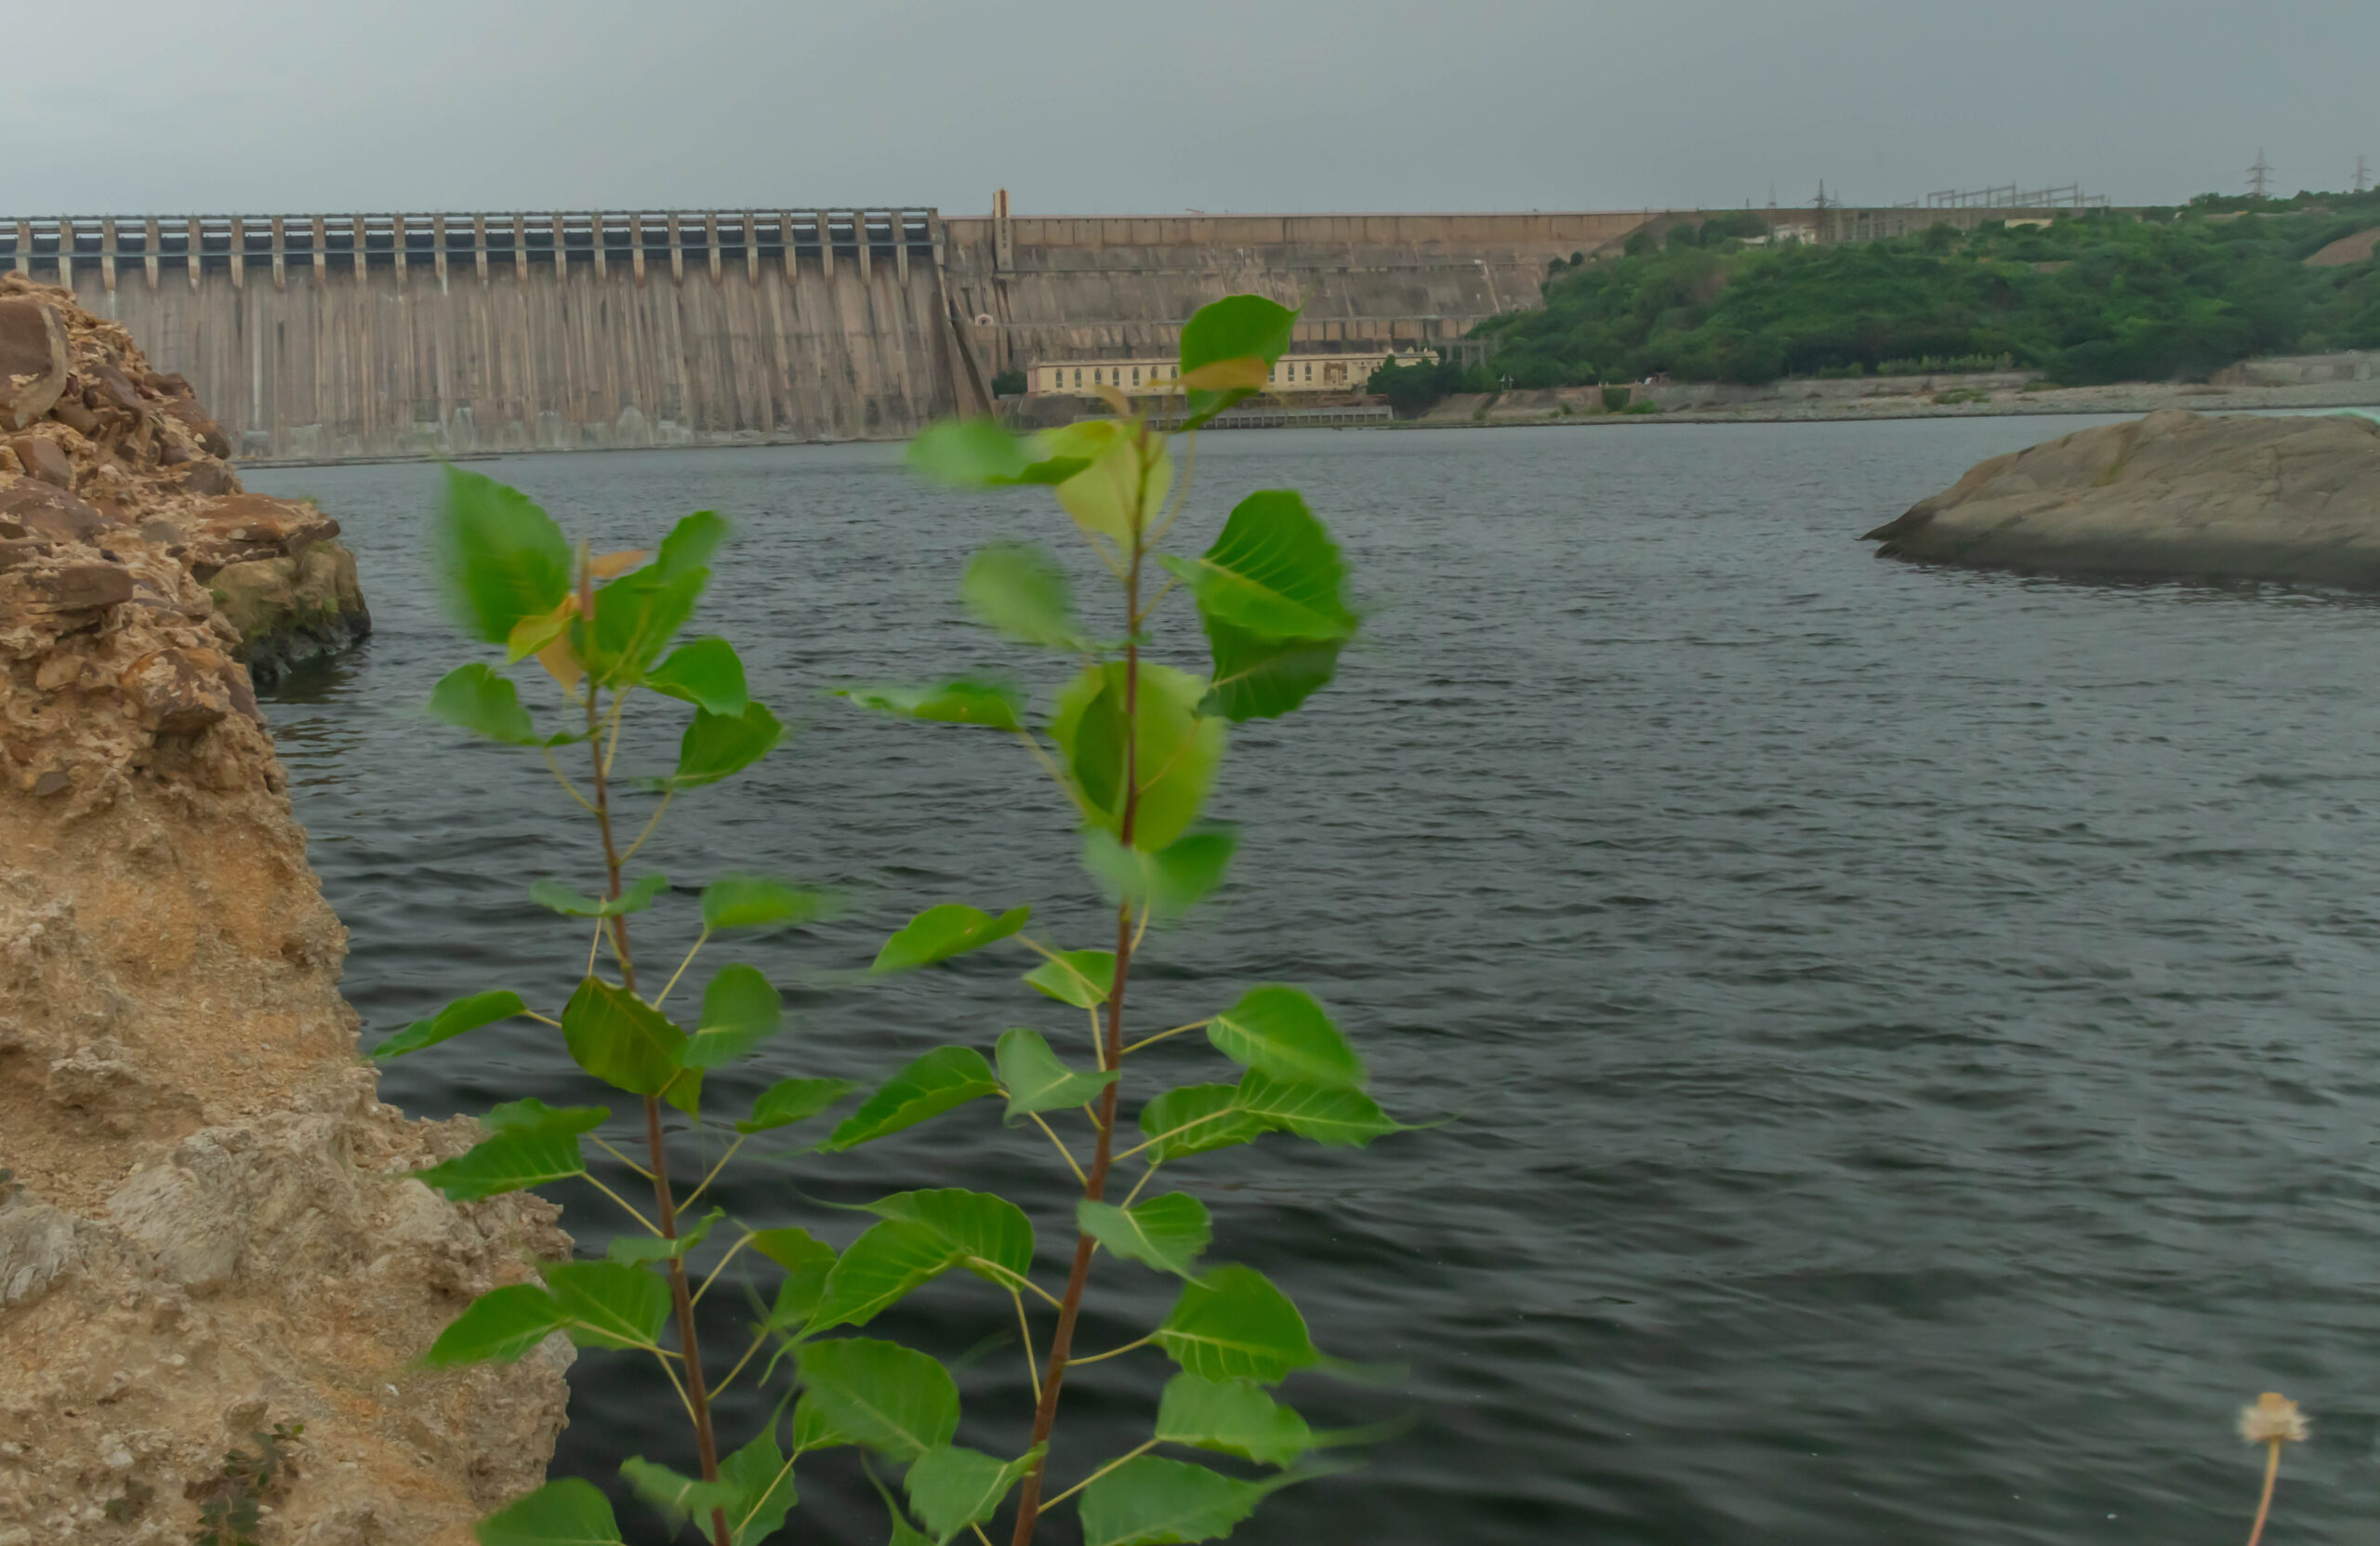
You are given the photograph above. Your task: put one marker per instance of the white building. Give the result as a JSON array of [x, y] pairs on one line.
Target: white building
[[1294, 373]]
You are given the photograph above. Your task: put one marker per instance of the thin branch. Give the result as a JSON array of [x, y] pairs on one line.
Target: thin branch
[[568, 788], [1194, 1122], [1050, 766], [594, 944], [1133, 1195], [546, 1019], [714, 1172], [1111, 1352], [1141, 932], [700, 939], [1015, 1280], [979, 1533], [618, 1155], [1103, 1471], [651, 822], [721, 1389], [1151, 607], [683, 1399], [612, 737], [748, 1237], [1148, 1041], [621, 1200], [1025, 1327], [1063, 1150]]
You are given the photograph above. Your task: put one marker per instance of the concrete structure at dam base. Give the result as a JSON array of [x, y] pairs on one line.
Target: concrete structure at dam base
[[328, 337]]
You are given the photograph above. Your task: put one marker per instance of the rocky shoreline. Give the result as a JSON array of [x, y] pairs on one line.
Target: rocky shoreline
[[207, 1226], [2175, 496]]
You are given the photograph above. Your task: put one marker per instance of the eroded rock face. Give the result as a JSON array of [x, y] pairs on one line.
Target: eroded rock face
[[2175, 496], [109, 461], [207, 1225]]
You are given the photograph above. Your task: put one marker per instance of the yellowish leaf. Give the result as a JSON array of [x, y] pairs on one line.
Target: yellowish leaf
[[561, 664], [1113, 397], [608, 565], [535, 631], [1249, 373]]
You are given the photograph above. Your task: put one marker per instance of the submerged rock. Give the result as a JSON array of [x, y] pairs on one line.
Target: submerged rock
[[2175, 496], [207, 1224], [97, 450]]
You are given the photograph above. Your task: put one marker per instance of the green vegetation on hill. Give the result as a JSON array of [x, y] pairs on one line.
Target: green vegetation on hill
[[2094, 298]]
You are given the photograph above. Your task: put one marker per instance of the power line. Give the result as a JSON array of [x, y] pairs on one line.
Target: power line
[[2259, 173]]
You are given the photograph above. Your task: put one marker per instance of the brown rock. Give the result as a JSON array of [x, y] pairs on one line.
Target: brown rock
[[34, 361], [111, 387], [2174, 495], [180, 691], [75, 587], [207, 477], [42, 458], [209, 434], [72, 413], [52, 512], [248, 526], [167, 383]]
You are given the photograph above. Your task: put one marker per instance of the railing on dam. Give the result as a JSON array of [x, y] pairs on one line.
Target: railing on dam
[[58, 247]]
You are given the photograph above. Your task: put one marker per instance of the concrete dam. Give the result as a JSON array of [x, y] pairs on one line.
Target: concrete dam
[[324, 337]]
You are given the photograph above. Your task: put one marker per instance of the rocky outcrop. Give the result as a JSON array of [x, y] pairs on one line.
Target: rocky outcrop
[[2175, 496], [125, 456], [207, 1228]]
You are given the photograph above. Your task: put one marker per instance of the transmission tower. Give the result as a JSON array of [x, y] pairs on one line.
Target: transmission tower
[[2259, 173], [2362, 173]]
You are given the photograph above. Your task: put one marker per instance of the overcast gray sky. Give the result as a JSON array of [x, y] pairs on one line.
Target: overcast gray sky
[[255, 106]]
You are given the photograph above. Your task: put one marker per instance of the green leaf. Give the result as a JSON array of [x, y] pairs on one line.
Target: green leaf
[[474, 698], [938, 933], [741, 1009], [560, 898], [1168, 882], [1285, 1032], [635, 1250], [1167, 1233], [568, 1512], [1273, 570], [679, 1497], [750, 902], [1194, 1119], [498, 557], [635, 615], [1036, 1081], [1083, 978], [944, 1077], [953, 1487], [1269, 594], [992, 1235], [763, 1484], [889, 1398], [1233, 1323], [689, 544], [1178, 752], [807, 1261], [879, 1269], [1264, 678], [463, 1014], [791, 1101], [718, 746], [1022, 592], [1236, 327], [508, 1162], [1344, 1118], [967, 701], [977, 453], [610, 1304], [620, 1038], [1153, 1501], [501, 1325], [706, 673], [1100, 496], [530, 1115], [1231, 1417]]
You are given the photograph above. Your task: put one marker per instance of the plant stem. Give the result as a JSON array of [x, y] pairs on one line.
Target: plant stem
[[2264, 1504], [666, 1212], [1045, 1411]]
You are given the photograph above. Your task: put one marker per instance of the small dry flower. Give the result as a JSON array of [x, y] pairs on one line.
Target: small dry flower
[[2273, 1419]]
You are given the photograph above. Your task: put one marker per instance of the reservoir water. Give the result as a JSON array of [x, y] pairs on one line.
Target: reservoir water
[[1906, 1035]]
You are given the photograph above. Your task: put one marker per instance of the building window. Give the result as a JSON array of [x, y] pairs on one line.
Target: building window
[[1077, 376], [1309, 372], [1136, 375]]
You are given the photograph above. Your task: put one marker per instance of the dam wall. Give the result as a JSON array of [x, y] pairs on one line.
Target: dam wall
[[318, 338], [1031, 289]]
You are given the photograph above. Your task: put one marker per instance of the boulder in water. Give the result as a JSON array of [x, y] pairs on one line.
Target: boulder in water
[[2175, 496]]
